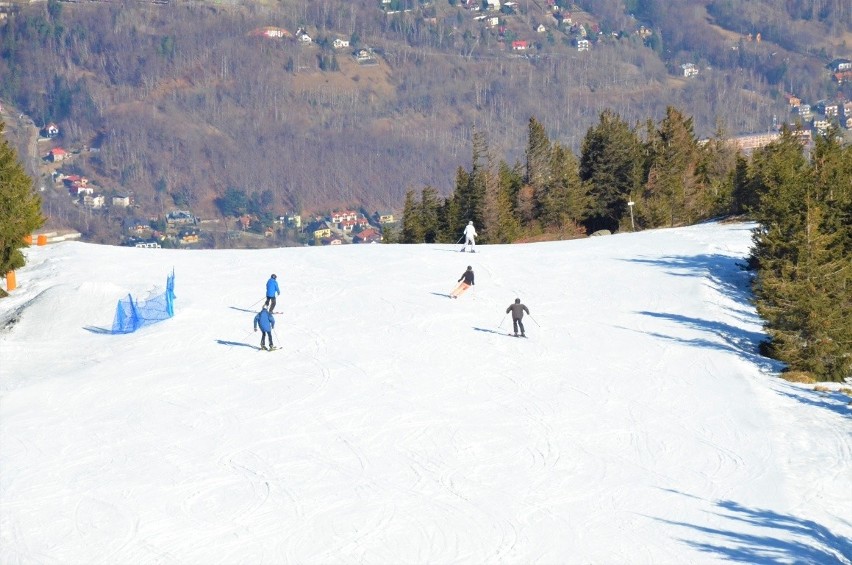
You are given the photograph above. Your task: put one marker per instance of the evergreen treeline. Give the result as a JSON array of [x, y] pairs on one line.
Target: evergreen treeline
[[669, 176], [803, 205]]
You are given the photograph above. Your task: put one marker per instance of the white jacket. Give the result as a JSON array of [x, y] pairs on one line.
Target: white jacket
[[470, 231]]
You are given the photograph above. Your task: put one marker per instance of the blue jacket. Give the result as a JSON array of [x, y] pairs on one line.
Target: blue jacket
[[272, 287], [265, 320]]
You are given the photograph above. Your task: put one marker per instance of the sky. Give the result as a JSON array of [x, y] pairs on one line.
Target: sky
[[636, 423]]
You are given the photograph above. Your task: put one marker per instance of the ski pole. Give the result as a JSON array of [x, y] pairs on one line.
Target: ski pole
[[500, 325], [533, 319]]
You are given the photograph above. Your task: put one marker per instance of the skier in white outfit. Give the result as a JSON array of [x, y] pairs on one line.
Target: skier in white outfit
[[470, 235]]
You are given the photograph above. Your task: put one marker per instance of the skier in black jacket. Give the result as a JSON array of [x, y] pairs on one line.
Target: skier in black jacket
[[465, 282], [517, 309]]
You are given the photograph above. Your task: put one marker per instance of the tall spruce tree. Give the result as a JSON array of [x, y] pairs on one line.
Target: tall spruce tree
[[412, 227], [671, 188], [430, 209], [563, 203], [801, 254], [611, 165], [20, 208]]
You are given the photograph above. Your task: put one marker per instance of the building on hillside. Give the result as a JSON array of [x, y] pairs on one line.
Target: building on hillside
[[689, 70], [338, 217], [803, 111], [385, 217], [369, 235], [121, 201], [840, 65], [180, 218], [270, 32], [51, 130], [188, 236], [320, 229], [793, 101], [339, 43], [827, 109], [748, 143], [583, 44], [520, 45], [57, 154], [94, 201], [842, 76]]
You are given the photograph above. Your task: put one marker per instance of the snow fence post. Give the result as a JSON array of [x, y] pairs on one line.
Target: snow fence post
[[11, 283]]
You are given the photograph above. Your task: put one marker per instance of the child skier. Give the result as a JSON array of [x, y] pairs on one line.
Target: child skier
[[266, 321]]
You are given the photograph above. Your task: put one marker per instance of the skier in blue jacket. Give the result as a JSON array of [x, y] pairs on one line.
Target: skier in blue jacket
[[271, 292], [266, 321]]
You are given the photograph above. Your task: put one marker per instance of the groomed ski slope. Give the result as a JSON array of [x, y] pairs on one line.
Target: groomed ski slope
[[637, 424]]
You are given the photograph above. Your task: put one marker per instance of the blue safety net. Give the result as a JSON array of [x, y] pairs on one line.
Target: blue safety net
[[132, 313]]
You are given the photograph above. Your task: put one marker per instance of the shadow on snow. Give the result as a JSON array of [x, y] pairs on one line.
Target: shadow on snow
[[788, 539], [235, 344]]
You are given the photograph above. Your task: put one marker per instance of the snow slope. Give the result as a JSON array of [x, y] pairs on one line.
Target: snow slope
[[636, 425]]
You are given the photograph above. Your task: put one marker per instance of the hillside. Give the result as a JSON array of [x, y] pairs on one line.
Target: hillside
[[635, 424], [182, 101]]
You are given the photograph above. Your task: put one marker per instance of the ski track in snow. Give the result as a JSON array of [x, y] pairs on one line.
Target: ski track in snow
[[636, 425]]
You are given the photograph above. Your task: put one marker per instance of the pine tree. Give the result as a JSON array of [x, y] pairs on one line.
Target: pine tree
[[717, 164], [20, 208], [564, 201], [671, 188], [430, 207], [412, 228], [538, 155], [611, 165], [802, 254]]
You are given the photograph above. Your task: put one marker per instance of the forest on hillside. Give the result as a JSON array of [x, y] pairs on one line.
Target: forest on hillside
[[184, 102]]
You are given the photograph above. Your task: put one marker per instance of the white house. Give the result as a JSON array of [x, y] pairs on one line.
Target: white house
[[689, 70], [94, 201], [340, 43]]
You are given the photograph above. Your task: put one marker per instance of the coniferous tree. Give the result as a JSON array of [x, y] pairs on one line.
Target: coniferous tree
[[538, 156], [801, 254], [20, 208], [430, 207], [509, 181], [412, 228], [564, 202], [717, 162], [611, 165], [743, 198], [671, 188]]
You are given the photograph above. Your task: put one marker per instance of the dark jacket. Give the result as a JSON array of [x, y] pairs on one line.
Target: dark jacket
[[517, 310], [467, 276], [265, 320]]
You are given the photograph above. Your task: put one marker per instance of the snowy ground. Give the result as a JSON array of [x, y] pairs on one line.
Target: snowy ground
[[635, 425]]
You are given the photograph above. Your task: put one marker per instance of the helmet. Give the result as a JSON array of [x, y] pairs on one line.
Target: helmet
[[469, 268], [274, 276], [470, 223], [517, 301]]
